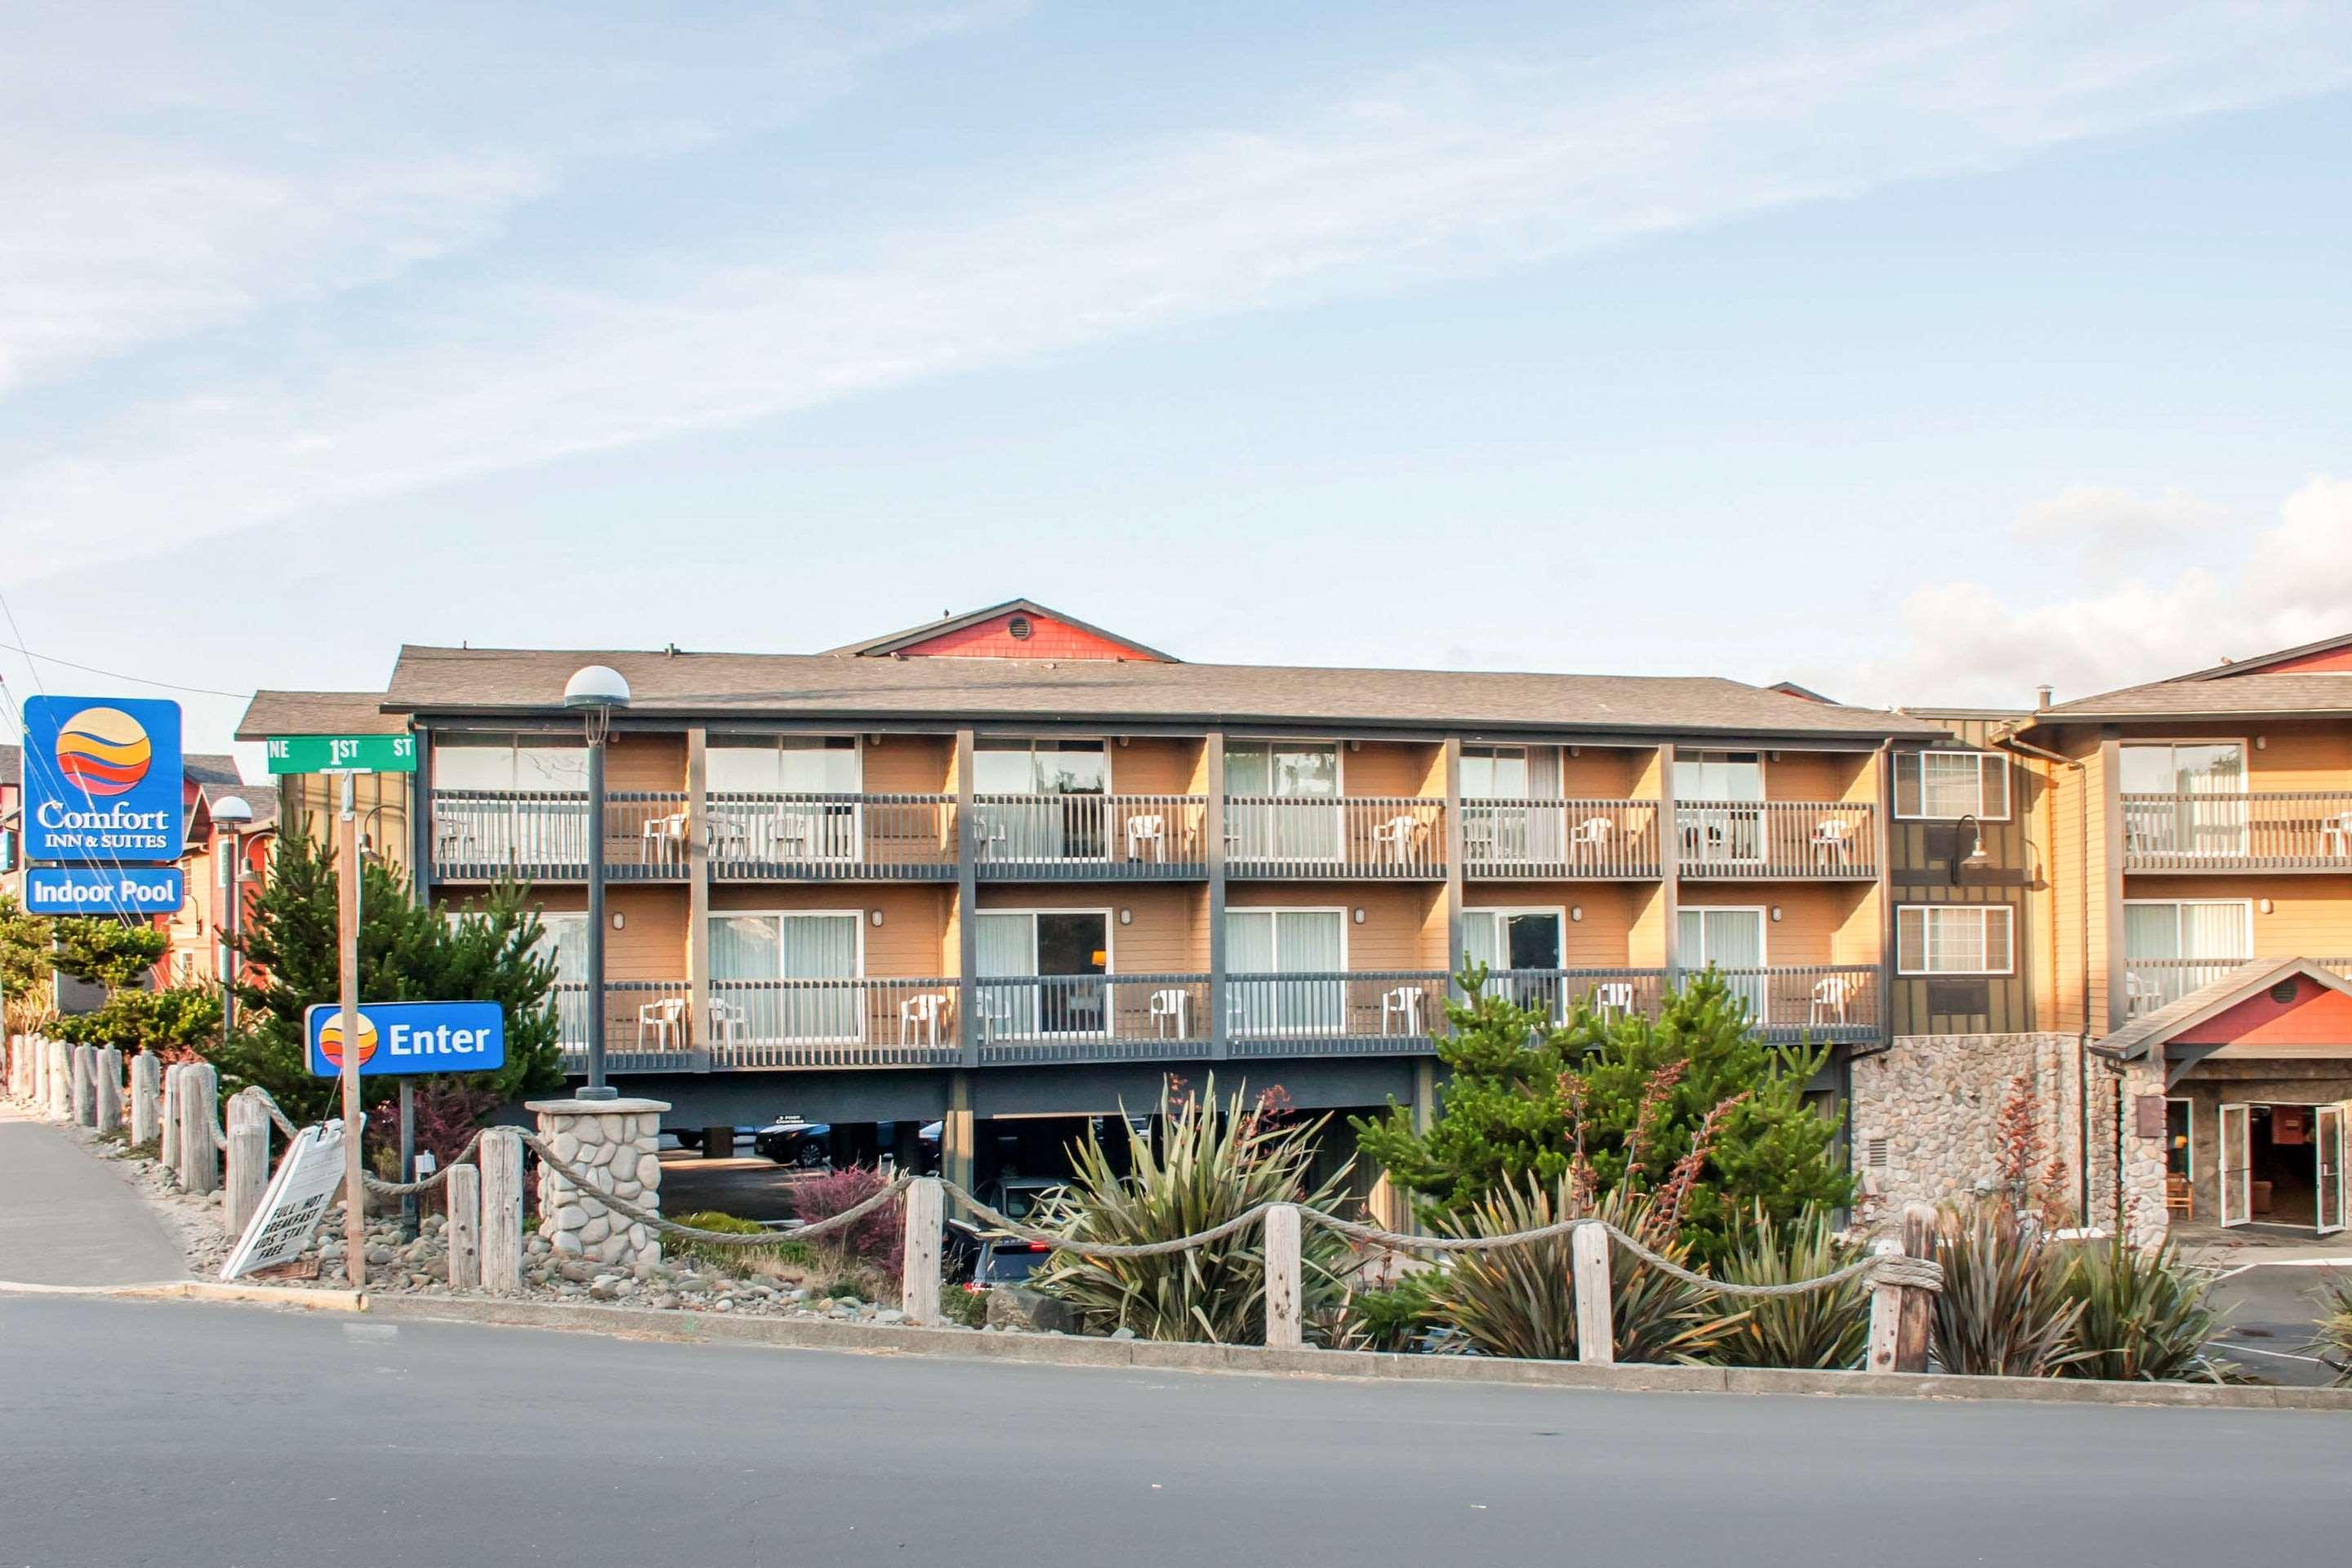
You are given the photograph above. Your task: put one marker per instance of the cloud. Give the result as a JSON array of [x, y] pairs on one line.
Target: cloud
[[2096, 518], [1452, 169], [1964, 643]]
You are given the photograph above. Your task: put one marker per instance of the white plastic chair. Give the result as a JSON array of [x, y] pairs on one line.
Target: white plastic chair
[[1404, 1002], [2140, 994], [661, 838], [730, 1023], [1166, 1011], [450, 837], [922, 1012], [1833, 839], [1830, 993], [1149, 832], [728, 837], [666, 1020], [1612, 998], [1591, 836], [1400, 834], [2337, 831]]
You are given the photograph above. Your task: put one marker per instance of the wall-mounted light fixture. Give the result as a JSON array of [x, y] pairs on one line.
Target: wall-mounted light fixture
[[2261, 742], [1576, 750], [1772, 756], [1360, 914], [1776, 914], [1126, 917], [619, 920], [1968, 847], [1355, 745], [2264, 906], [874, 917], [1576, 911]]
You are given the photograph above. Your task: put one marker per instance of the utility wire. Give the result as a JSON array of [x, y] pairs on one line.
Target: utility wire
[[111, 674]]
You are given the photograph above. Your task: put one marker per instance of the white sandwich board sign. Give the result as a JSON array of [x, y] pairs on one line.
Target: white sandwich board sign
[[297, 1200]]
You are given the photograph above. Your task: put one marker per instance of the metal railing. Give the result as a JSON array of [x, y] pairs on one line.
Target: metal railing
[[831, 838], [831, 1023], [543, 834], [1557, 839], [1048, 837], [1363, 1012], [1611, 992], [2152, 982], [1374, 837], [2292, 830], [1818, 1002], [1091, 1017], [1736, 838], [648, 1024]]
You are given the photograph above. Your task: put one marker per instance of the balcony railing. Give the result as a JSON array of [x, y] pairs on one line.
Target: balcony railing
[[2153, 983], [2293, 831], [1823, 1003], [831, 838], [1611, 992], [1052, 837], [1359, 836], [1557, 839], [1091, 1017], [831, 1022], [1358, 1014], [647, 1025], [1762, 838], [543, 834]]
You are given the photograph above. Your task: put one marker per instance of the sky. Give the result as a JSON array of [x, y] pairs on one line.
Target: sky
[[1921, 354]]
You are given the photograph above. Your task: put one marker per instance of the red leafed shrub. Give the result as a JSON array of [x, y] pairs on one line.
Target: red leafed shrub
[[448, 1113], [875, 1241]]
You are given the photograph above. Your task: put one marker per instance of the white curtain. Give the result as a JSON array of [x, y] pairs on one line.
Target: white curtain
[[1482, 939], [1286, 943], [1728, 939], [1547, 825], [1008, 946]]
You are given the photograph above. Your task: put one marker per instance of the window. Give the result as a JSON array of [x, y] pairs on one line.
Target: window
[[508, 762], [1301, 821], [783, 764], [750, 954], [2175, 946], [1059, 956], [1731, 940], [1954, 939], [1512, 938], [1947, 785], [1263, 947], [1494, 773], [1719, 776], [2184, 799]]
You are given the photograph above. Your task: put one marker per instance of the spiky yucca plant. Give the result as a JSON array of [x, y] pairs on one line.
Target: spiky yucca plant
[[2003, 1310], [1520, 1301], [2146, 1316], [1212, 1163], [1825, 1330], [2333, 1344]]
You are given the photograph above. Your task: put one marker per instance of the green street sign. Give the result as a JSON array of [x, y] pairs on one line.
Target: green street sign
[[342, 754]]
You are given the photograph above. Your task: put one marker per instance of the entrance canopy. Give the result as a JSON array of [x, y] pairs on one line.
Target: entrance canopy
[[2272, 1008]]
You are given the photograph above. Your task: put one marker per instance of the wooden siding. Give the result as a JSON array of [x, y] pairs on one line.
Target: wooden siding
[[1397, 929], [909, 764], [655, 761], [1820, 777], [1602, 940], [1919, 871], [1391, 768], [1151, 765], [1609, 773]]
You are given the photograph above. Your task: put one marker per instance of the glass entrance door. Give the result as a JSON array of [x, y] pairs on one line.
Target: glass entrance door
[[2236, 1166], [1731, 941], [2329, 1138]]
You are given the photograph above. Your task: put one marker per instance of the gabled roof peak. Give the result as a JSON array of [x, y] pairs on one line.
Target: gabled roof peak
[[1017, 629]]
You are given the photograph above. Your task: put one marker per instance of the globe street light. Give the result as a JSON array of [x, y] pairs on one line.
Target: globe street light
[[597, 692], [232, 811]]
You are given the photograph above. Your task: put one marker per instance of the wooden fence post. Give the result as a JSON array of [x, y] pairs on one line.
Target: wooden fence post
[[1284, 1331], [1596, 1322], [146, 1093], [85, 1086], [464, 1236], [167, 1126], [199, 1151], [1902, 1320], [61, 1081], [500, 1153], [110, 1091], [248, 1159], [925, 1206]]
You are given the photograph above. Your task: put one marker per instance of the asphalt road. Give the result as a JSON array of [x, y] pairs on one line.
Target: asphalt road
[[2273, 1311], [176, 1434]]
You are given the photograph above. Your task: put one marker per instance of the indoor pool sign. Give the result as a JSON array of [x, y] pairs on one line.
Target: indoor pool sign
[[102, 779]]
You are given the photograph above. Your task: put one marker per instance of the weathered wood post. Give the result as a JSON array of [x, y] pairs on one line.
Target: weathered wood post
[[16, 1067], [248, 1159], [925, 1206], [199, 1148], [1284, 1329], [1902, 1318], [500, 1153], [110, 1091], [61, 1081], [1596, 1322], [84, 1087], [146, 1097], [463, 1236], [167, 1125]]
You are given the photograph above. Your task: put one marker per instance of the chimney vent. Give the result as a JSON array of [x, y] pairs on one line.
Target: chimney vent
[[2041, 698]]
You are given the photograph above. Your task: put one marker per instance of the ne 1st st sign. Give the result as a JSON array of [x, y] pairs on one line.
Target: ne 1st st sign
[[397, 1037], [342, 754]]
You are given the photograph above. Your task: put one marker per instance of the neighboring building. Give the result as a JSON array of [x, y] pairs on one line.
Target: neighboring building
[[309, 801], [199, 931], [1009, 867], [12, 820]]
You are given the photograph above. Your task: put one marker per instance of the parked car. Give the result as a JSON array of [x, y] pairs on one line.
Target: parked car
[[1018, 1197], [691, 1137], [790, 1140], [979, 1261]]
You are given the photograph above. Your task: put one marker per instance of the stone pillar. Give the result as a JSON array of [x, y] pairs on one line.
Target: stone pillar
[[110, 1091], [146, 1097], [612, 1143]]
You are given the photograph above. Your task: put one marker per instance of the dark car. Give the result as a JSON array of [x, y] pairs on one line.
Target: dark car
[[690, 1138], [978, 1261], [790, 1140]]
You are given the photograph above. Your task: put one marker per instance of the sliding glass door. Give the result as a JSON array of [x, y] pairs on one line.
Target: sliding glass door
[[1526, 942], [2184, 799], [1728, 940], [1047, 966], [760, 807], [753, 956], [1721, 826], [1293, 959], [1042, 799], [1285, 797], [2173, 946]]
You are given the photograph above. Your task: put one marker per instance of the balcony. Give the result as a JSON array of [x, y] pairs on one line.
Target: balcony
[[480, 836], [2279, 831], [1359, 837], [1820, 1003], [1552, 839], [1081, 838], [1763, 839], [650, 1025], [1373, 1012], [1046, 1018], [831, 838]]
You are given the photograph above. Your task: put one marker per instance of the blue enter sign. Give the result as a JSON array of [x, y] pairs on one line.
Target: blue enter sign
[[409, 1037]]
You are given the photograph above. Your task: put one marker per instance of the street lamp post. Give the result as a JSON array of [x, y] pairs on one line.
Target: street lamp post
[[234, 812], [597, 692]]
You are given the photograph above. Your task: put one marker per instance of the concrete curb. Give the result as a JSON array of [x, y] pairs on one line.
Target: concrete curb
[[202, 1290], [1046, 1350]]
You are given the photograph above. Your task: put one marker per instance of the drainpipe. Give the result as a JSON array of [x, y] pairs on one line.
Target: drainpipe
[[2008, 740]]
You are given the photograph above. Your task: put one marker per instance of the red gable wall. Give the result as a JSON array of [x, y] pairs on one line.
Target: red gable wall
[[2326, 660], [2317, 1016], [1048, 638]]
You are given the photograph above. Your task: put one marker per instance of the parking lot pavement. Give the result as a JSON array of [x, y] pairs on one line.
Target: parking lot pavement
[[2273, 1313], [747, 1186]]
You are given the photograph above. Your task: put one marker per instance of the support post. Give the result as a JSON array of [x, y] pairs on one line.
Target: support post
[[167, 1128], [697, 895], [1596, 1322], [919, 1264], [85, 1086], [1284, 1329], [500, 1154], [110, 1091], [967, 910], [1220, 1044], [957, 1135], [1901, 1319], [199, 1151], [463, 1236], [347, 885], [61, 1081], [718, 1143], [1449, 837], [146, 1097], [249, 1161]]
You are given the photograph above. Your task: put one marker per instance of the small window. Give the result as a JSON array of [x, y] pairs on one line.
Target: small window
[[1953, 939], [1945, 786]]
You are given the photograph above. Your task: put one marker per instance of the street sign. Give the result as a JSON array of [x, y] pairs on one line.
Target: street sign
[[102, 779], [102, 890], [295, 1204], [342, 754], [409, 1037]]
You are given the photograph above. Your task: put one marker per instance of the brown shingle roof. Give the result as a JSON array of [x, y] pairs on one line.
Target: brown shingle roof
[[317, 713], [530, 681], [2150, 1030], [2315, 691]]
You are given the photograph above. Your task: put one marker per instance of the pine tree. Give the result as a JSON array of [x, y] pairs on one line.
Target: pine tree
[[1527, 1096]]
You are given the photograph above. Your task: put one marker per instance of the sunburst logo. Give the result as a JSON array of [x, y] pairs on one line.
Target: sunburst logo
[[103, 752], [330, 1040]]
